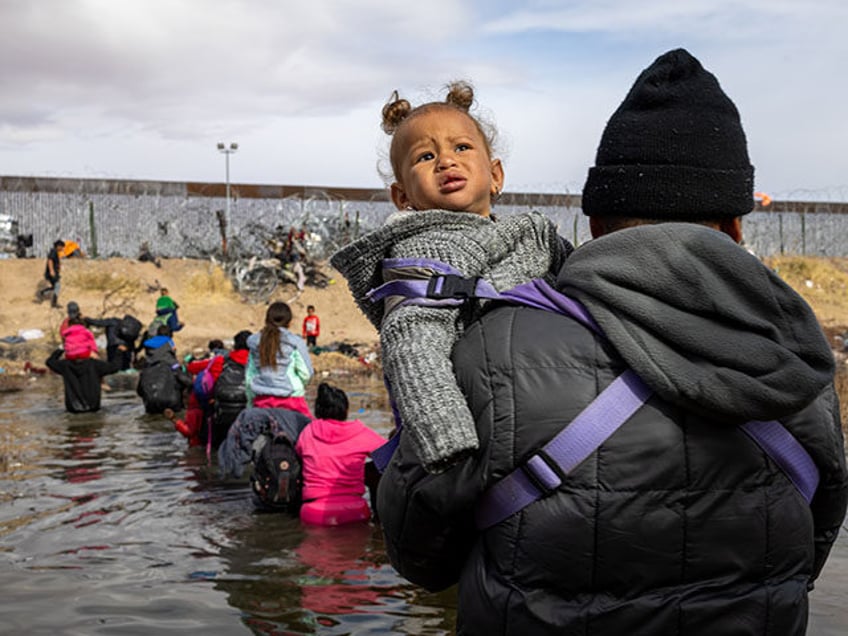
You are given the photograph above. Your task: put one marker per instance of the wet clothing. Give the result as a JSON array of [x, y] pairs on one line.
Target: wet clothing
[[230, 395], [199, 413], [237, 450], [82, 380], [293, 370], [161, 381], [416, 340], [333, 454], [78, 342], [678, 523]]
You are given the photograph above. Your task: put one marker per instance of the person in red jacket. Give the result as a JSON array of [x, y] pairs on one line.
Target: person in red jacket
[[311, 326], [192, 427]]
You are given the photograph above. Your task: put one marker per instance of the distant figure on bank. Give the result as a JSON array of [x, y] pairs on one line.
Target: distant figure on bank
[[333, 451], [279, 366], [52, 274], [311, 326], [71, 249], [146, 256], [82, 379]]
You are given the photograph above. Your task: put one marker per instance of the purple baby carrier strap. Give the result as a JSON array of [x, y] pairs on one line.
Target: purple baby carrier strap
[[787, 452], [545, 470]]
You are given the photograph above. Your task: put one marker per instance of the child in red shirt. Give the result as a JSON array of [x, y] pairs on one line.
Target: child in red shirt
[[311, 326]]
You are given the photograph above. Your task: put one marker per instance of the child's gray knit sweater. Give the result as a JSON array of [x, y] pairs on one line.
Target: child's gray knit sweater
[[417, 341]]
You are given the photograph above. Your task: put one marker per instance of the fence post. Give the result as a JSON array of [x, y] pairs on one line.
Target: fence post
[[804, 233], [92, 229]]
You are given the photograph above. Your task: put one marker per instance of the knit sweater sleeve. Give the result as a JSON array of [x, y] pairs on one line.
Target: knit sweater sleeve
[[417, 343]]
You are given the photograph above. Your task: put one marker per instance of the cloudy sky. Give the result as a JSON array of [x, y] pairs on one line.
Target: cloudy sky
[[144, 89]]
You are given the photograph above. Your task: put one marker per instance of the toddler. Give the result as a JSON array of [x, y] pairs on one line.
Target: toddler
[[445, 180]]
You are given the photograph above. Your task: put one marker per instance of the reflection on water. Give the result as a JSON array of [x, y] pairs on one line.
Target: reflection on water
[[110, 524]]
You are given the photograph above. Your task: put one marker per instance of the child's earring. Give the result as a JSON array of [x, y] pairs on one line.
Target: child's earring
[[496, 194]]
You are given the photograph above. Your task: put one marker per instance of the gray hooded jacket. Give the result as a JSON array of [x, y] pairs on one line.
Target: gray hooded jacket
[[678, 523]]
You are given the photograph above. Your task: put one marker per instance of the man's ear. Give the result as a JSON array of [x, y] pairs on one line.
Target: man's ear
[[399, 197], [732, 227], [497, 176]]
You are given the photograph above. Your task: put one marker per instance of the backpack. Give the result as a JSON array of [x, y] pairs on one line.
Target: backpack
[[277, 480], [158, 321], [203, 386], [129, 328], [230, 384]]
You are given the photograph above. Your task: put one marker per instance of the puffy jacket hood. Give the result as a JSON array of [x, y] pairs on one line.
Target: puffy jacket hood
[[162, 354], [335, 431], [703, 322]]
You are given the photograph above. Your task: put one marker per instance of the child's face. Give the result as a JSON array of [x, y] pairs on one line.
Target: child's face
[[444, 163]]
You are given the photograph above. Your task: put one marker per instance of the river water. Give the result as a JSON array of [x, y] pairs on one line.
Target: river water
[[109, 524]]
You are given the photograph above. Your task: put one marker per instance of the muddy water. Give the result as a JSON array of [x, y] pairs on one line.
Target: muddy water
[[110, 525]]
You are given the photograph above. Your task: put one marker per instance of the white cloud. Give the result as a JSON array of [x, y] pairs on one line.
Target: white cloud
[[144, 89]]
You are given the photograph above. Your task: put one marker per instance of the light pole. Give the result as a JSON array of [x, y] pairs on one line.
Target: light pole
[[227, 152]]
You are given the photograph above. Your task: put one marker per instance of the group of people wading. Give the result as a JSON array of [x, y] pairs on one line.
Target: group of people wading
[[498, 336]]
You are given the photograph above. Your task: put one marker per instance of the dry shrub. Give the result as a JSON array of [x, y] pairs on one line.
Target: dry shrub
[[213, 282], [825, 275], [105, 281]]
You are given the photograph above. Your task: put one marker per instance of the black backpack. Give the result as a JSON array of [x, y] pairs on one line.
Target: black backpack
[[230, 384], [277, 480], [129, 328]]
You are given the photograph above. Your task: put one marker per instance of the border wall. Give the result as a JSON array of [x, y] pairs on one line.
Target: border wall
[[111, 217]]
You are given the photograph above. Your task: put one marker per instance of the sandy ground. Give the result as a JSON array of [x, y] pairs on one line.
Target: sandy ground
[[211, 309], [208, 305]]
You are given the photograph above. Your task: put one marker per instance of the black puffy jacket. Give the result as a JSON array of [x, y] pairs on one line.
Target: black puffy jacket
[[161, 382], [678, 523], [82, 380], [230, 399]]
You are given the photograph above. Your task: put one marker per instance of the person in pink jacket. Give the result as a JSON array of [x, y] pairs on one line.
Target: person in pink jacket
[[333, 451], [77, 340]]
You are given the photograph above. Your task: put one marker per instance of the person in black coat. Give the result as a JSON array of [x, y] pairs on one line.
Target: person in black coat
[[230, 393], [677, 523], [162, 380], [119, 331], [52, 274], [81, 379]]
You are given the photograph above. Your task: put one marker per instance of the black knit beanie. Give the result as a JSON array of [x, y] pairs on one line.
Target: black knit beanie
[[674, 149]]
